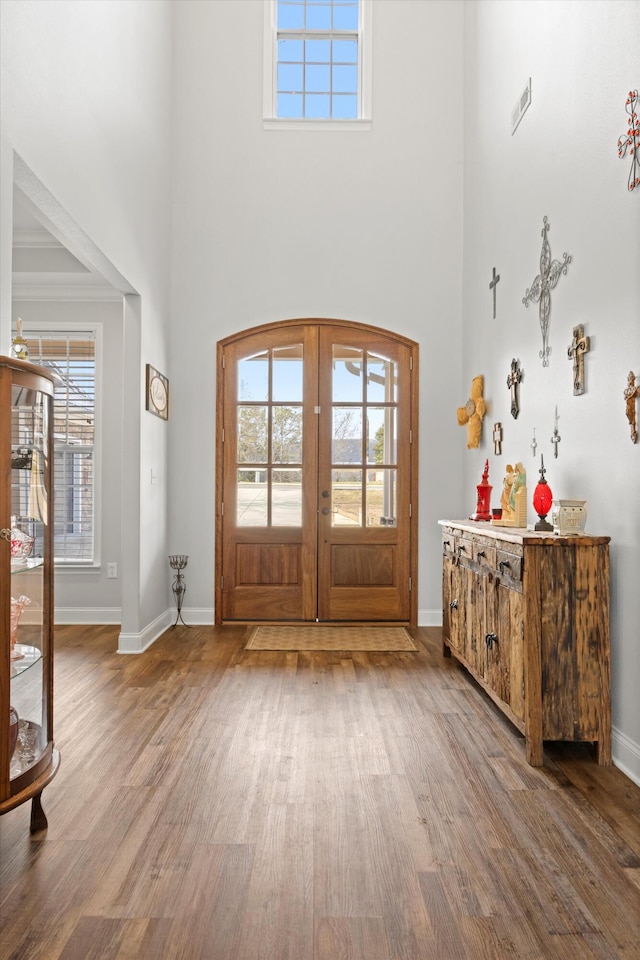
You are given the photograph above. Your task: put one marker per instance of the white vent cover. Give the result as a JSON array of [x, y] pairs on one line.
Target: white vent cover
[[520, 108]]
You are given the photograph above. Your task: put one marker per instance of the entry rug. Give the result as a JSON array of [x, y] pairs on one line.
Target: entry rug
[[315, 637]]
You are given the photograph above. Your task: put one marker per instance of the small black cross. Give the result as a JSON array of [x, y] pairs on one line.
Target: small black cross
[[492, 286]]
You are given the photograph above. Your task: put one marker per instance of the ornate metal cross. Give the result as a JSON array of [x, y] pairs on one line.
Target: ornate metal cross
[[492, 286], [631, 140], [579, 346], [513, 380], [497, 438], [556, 438], [540, 289]]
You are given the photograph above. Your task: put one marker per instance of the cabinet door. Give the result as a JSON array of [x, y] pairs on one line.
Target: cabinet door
[[454, 604], [476, 607], [504, 645]]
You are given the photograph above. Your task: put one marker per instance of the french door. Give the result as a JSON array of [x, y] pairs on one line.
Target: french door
[[316, 507]]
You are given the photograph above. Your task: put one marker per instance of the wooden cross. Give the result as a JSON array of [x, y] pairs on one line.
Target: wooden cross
[[497, 438], [513, 380], [556, 438], [579, 346], [540, 290], [492, 286]]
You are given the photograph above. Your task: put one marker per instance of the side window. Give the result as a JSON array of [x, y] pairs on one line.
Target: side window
[[317, 61], [71, 356]]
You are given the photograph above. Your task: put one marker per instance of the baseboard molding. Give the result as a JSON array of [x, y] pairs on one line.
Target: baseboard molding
[[430, 618], [626, 755], [196, 616], [139, 642], [88, 615]]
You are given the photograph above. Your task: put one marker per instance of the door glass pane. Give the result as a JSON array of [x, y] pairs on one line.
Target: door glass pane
[[347, 435], [286, 498], [287, 374], [252, 434], [253, 377], [251, 498], [347, 373], [381, 498], [382, 378], [346, 498], [286, 434], [381, 435]]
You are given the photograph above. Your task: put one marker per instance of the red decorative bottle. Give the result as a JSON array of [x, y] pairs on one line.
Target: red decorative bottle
[[542, 500], [483, 505]]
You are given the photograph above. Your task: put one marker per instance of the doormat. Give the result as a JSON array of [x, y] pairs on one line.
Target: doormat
[[313, 637]]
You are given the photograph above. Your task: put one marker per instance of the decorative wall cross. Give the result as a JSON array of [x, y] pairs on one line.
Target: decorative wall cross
[[631, 140], [556, 438], [579, 346], [631, 392], [473, 412], [497, 438], [513, 380], [492, 286], [544, 283]]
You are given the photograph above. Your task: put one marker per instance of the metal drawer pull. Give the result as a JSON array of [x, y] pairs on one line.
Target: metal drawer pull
[[503, 564], [490, 639], [481, 553], [453, 605]]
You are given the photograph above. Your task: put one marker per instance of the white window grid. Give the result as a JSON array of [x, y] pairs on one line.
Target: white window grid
[[363, 39]]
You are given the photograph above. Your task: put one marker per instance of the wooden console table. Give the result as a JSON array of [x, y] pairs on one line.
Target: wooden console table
[[527, 613]]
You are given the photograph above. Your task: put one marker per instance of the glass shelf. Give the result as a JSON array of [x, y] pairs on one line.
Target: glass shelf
[[28, 656], [19, 566]]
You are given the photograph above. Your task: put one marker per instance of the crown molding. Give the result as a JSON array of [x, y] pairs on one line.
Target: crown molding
[[63, 291], [36, 238]]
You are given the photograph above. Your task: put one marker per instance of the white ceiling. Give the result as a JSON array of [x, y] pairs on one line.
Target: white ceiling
[[40, 260]]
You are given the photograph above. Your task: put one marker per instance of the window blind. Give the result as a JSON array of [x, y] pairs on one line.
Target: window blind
[[72, 360]]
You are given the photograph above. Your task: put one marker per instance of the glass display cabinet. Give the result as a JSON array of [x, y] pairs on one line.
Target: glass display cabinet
[[28, 758]]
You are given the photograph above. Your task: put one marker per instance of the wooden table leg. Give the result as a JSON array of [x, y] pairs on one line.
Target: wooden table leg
[[38, 818]]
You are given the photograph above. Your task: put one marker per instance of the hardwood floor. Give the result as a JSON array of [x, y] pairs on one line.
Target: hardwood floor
[[219, 804]]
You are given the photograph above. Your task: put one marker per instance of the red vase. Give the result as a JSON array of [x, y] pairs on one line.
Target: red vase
[[542, 500]]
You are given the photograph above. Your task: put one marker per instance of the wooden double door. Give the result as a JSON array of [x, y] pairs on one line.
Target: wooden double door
[[316, 474]]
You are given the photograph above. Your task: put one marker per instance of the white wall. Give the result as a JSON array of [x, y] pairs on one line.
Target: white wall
[[86, 101], [268, 225], [582, 57]]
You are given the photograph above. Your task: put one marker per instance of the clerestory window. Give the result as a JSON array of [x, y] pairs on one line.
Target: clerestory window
[[317, 62]]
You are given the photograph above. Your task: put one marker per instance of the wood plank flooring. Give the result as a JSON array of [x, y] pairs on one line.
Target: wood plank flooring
[[221, 804]]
